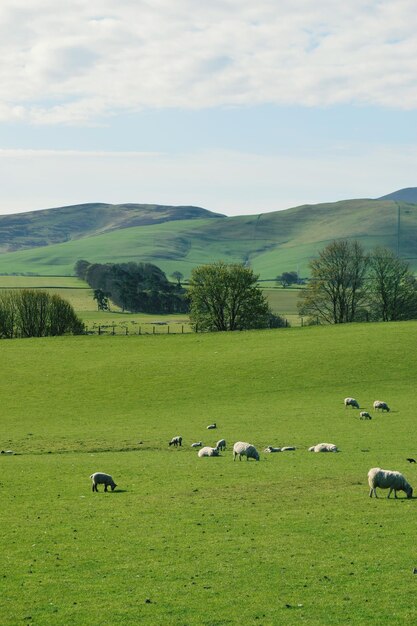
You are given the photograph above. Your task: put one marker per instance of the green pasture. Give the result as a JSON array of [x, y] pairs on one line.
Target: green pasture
[[291, 539], [282, 302]]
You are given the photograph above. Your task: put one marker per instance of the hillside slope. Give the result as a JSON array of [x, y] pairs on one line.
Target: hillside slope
[[52, 226], [270, 243], [409, 194]]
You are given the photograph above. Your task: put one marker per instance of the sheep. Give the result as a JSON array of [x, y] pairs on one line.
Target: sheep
[[99, 478], [387, 479], [364, 415], [272, 449], [383, 406], [351, 402], [7, 452], [208, 451], [221, 444], [176, 441], [211, 426], [197, 444], [323, 447], [241, 448], [411, 460], [287, 448]]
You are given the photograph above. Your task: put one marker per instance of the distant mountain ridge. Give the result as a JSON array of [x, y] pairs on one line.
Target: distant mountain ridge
[[179, 238], [45, 227], [408, 194]]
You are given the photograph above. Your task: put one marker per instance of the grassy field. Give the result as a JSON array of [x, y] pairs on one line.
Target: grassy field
[[80, 295], [293, 538]]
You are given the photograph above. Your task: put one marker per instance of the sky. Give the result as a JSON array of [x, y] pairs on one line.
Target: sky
[[237, 106]]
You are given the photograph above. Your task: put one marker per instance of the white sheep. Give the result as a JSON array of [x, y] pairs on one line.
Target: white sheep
[[387, 479], [272, 449], [7, 452], [221, 444], [351, 402], [197, 444], [176, 441], [211, 426], [323, 447], [241, 448], [99, 478], [208, 451], [383, 406], [364, 415]]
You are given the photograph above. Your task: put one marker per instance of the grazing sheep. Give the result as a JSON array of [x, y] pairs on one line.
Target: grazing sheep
[[176, 441], [7, 452], [221, 444], [351, 402], [272, 449], [211, 426], [99, 478], [381, 406], [287, 448], [387, 479], [241, 448], [364, 415], [323, 447], [411, 460], [197, 444], [207, 451]]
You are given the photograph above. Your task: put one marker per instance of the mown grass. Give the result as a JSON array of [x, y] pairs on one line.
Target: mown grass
[[293, 538]]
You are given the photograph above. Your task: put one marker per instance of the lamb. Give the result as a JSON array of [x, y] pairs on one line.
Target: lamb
[[211, 426], [197, 444], [323, 447], [221, 444], [241, 448], [272, 449], [351, 402], [364, 415], [387, 479], [383, 406], [99, 478], [208, 451], [176, 441]]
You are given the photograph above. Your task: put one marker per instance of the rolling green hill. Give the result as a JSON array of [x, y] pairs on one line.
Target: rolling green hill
[[270, 242]]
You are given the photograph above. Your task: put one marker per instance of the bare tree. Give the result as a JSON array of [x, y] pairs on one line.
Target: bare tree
[[335, 291], [392, 287]]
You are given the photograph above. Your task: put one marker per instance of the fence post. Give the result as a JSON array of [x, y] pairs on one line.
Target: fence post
[[127, 330], [302, 322], [168, 329], [113, 330], [182, 330], [153, 330], [99, 330], [139, 332]]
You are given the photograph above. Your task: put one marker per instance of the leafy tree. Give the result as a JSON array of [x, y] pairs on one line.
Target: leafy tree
[[102, 298], [30, 313], [392, 287], [287, 278], [226, 297], [81, 267], [178, 277], [336, 292]]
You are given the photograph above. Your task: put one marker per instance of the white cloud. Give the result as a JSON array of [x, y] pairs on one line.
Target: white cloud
[[90, 59]]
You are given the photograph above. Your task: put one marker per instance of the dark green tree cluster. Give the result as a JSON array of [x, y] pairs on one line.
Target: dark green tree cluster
[[287, 278], [30, 313], [349, 285], [135, 287]]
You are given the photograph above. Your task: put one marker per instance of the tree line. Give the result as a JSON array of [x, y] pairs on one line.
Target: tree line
[[135, 287], [32, 313], [348, 284]]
